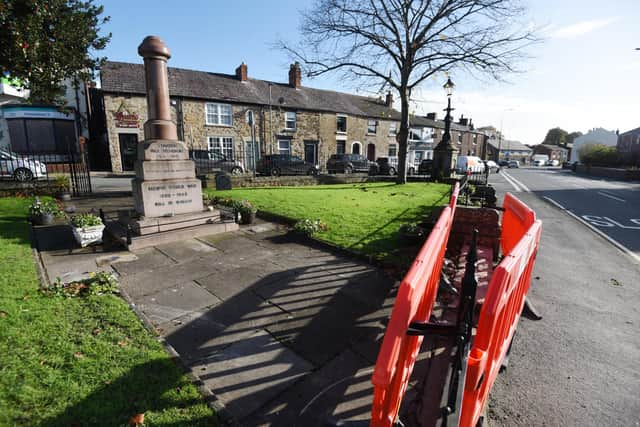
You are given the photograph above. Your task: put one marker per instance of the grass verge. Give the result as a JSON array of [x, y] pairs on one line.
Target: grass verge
[[364, 218], [79, 361]]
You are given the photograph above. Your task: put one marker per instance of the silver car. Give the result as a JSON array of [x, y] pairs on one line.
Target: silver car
[[21, 168]]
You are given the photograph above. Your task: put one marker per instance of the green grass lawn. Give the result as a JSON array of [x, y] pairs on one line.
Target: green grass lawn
[[80, 361], [362, 217]]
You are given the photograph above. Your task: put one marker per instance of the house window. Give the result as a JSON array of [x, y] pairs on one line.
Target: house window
[[290, 120], [221, 145], [284, 146], [475, 139], [341, 123], [355, 148], [393, 150], [393, 129], [459, 137], [340, 147], [218, 114], [415, 134], [372, 126]]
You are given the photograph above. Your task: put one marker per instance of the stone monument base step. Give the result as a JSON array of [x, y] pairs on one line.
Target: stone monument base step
[[144, 226], [157, 231]]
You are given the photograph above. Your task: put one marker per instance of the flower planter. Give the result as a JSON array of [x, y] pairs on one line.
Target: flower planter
[[88, 235], [247, 217], [42, 219]]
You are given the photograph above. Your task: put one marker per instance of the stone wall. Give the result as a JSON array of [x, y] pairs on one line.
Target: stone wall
[[616, 173], [134, 105]]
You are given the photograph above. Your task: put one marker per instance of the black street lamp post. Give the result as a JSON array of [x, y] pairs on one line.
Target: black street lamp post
[[445, 154]]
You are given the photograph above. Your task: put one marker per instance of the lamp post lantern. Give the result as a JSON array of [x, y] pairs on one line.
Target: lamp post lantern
[[445, 154]]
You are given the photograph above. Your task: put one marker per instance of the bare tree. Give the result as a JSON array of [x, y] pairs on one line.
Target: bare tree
[[400, 43]]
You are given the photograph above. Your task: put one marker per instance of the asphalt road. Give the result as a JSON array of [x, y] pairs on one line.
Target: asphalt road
[[580, 364]]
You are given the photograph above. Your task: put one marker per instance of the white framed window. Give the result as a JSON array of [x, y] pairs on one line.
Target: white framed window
[[415, 134], [218, 114], [290, 120], [284, 146], [372, 126], [393, 128], [393, 150], [222, 145], [459, 137], [475, 139], [341, 123]]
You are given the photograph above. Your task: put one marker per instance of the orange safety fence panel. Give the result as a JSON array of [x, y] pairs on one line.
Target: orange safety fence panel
[[415, 299], [516, 220], [499, 315]]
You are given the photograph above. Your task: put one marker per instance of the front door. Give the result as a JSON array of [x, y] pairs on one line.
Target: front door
[[371, 152], [311, 152], [128, 150]]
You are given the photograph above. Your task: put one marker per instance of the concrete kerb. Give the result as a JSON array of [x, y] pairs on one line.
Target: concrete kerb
[[334, 249], [224, 415]]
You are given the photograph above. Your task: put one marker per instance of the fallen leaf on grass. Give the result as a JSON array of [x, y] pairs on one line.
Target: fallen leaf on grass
[[123, 343], [78, 355], [96, 331], [137, 420], [614, 282], [3, 313]]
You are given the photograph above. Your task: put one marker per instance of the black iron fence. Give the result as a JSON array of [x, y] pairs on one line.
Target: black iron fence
[[67, 172]]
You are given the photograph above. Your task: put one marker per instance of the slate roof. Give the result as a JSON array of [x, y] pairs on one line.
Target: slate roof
[[508, 145], [127, 78], [553, 147]]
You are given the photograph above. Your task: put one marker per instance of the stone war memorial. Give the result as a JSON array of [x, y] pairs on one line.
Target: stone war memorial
[[166, 192]]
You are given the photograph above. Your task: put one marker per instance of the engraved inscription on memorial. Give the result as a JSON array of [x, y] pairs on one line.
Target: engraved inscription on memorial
[[164, 150]]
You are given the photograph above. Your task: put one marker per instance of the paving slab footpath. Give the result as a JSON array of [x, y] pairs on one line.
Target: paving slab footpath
[[282, 332]]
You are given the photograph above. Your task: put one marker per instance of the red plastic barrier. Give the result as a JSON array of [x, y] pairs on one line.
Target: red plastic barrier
[[501, 309], [516, 220], [414, 302]]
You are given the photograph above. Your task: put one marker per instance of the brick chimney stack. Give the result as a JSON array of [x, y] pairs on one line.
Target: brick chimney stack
[[295, 76], [241, 72], [432, 116], [389, 101]]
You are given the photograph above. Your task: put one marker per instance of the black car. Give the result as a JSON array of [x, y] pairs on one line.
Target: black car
[[503, 163], [387, 165], [284, 164], [348, 163], [211, 162], [425, 167]]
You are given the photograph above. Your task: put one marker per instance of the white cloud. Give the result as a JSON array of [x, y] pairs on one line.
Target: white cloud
[[581, 28]]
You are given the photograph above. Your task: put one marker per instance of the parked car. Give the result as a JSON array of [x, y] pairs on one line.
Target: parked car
[[425, 167], [492, 166], [539, 162], [503, 163], [21, 168], [513, 164], [211, 162], [285, 164], [553, 162], [387, 165], [348, 163], [471, 164]]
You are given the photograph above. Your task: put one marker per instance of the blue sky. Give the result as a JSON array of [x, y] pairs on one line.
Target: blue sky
[[585, 74]]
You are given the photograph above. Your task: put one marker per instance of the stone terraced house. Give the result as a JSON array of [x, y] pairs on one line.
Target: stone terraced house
[[211, 109]]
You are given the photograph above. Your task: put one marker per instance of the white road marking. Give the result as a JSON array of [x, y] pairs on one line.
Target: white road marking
[[611, 196], [614, 242], [524, 187], [508, 179]]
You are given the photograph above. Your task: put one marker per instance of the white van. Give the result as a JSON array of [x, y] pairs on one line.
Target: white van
[[471, 164]]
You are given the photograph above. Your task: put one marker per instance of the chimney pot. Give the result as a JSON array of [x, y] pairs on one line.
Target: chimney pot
[[431, 116], [241, 72], [389, 100], [295, 77]]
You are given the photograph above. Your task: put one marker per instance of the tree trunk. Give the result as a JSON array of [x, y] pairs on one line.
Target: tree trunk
[[403, 137]]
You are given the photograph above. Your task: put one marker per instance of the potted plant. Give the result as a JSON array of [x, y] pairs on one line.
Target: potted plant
[[87, 229], [246, 211], [61, 183], [43, 212]]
